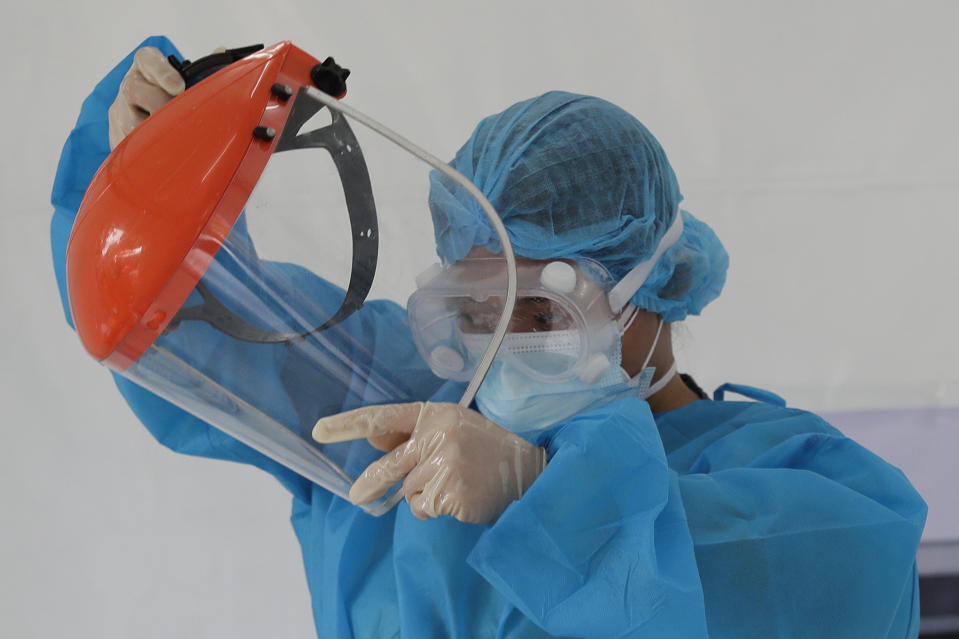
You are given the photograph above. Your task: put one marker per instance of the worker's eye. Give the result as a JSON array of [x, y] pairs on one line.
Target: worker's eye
[[536, 314], [544, 320], [477, 321]]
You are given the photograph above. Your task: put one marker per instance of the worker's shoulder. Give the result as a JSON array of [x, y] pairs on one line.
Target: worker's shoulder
[[711, 435], [784, 421], [741, 413], [712, 420], [764, 412]]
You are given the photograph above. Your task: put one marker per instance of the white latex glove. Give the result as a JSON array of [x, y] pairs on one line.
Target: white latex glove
[[149, 84], [452, 460]]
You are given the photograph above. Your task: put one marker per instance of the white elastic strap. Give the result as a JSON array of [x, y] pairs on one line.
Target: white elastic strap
[[653, 347], [658, 386], [633, 280], [626, 318]]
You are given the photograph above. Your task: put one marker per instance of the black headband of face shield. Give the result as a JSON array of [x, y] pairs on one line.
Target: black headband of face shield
[[339, 140], [193, 72]]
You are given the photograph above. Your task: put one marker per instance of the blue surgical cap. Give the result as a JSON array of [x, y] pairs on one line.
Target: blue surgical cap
[[576, 177]]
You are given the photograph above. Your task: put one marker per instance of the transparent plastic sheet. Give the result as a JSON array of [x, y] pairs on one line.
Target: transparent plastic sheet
[[269, 395]]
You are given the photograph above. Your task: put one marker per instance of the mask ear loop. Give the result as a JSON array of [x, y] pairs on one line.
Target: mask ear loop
[[652, 348], [626, 318], [659, 385], [668, 375]]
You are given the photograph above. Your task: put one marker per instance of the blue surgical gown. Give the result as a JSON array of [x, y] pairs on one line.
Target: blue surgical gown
[[720, 518]]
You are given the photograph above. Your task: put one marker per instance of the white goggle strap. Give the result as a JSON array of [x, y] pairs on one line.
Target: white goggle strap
[[627, 287]]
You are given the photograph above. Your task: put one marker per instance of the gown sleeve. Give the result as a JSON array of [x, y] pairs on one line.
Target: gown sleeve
[[780, 528], [381, 325]]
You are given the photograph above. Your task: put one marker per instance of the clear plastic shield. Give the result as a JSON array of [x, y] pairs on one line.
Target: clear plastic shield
[[302, 311]]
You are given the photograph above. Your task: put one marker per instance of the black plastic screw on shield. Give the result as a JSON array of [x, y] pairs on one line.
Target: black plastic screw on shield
[[282, 91], [265, 133], [330, 78]]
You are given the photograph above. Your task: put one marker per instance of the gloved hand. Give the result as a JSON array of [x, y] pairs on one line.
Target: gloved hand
[[452, 460], [149, 84]]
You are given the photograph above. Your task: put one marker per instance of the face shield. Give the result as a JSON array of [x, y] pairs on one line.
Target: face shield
[[224, 255]]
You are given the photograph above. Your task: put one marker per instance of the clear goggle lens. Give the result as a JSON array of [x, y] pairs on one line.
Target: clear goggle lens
[[455, 312]]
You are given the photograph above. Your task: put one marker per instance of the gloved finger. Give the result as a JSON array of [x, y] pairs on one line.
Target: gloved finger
[[123, 118], [369, 421], [417, 504], [427, 503], [142, 93], [388, 441], [379, 476], [416, 480], [158, 71]]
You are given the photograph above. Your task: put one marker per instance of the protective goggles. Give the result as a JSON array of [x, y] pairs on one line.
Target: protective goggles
[[560, 328]]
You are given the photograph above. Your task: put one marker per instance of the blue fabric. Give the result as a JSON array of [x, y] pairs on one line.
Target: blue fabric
[[759, 394], [576, 177], [739, 519]]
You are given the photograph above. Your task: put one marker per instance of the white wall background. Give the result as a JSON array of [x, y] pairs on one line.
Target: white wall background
[[819, 139]]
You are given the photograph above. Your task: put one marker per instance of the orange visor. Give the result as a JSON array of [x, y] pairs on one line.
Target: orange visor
[[160, 207]]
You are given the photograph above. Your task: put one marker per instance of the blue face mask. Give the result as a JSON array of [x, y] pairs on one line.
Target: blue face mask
[[524, 405]]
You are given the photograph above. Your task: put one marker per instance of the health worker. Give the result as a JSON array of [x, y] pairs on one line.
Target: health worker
[[590, 491]]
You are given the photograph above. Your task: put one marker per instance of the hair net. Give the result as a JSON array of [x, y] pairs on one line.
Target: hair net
[[575, 177]]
